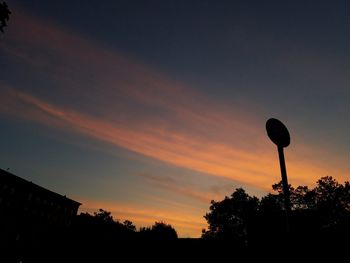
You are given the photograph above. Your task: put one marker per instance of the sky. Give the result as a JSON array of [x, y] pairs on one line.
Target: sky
[[151, 109]]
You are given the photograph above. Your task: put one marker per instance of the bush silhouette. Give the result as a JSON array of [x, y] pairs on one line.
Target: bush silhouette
[[159, 231]]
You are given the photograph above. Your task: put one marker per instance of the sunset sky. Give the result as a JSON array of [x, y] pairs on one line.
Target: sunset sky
[[150, 109]]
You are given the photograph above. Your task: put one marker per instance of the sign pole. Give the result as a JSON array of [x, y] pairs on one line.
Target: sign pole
[[279, 135], [285, 186]]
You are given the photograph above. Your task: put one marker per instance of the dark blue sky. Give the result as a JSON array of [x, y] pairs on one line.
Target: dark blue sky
[[250, 49]]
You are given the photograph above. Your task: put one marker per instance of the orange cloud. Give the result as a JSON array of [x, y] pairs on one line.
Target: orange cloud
[[176, 148], [180, 149], [167, 183]]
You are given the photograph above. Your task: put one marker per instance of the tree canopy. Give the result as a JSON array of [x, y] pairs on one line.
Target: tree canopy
[[101, 229], [4, 15], [158, 231], [318, 213]]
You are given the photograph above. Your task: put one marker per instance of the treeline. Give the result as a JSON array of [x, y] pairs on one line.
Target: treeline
[[320, 216], [238, 224], [101, 227]]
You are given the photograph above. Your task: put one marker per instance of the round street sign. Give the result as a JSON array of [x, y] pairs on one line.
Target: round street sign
[[277, 132]]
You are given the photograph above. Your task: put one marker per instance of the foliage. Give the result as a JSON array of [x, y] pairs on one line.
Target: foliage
[[101, 230], [129, 225], [103, 216], [319, 211], [229, 218], [159, 231], [4, 15]]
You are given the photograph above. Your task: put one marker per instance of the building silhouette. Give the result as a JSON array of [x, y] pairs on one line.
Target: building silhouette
[[31, 215]]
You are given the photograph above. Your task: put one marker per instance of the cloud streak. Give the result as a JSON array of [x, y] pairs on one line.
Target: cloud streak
[[170, 184], [174, 147]]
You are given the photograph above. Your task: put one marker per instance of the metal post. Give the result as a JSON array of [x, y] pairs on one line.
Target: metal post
[[287, 205]]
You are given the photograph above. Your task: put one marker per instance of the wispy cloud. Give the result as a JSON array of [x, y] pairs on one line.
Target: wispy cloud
[[174, 147], [170, 184], [184, 187]]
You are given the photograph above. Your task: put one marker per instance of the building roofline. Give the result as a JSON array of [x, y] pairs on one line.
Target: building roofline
[[40, 188]]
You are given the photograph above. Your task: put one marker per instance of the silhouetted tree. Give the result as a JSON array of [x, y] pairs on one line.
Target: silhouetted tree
[[229, 219], [159, 231], [129, 225], [101, 230], [4, 15], [300, 197], [104, 216], [332, 200], [318, 214]]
